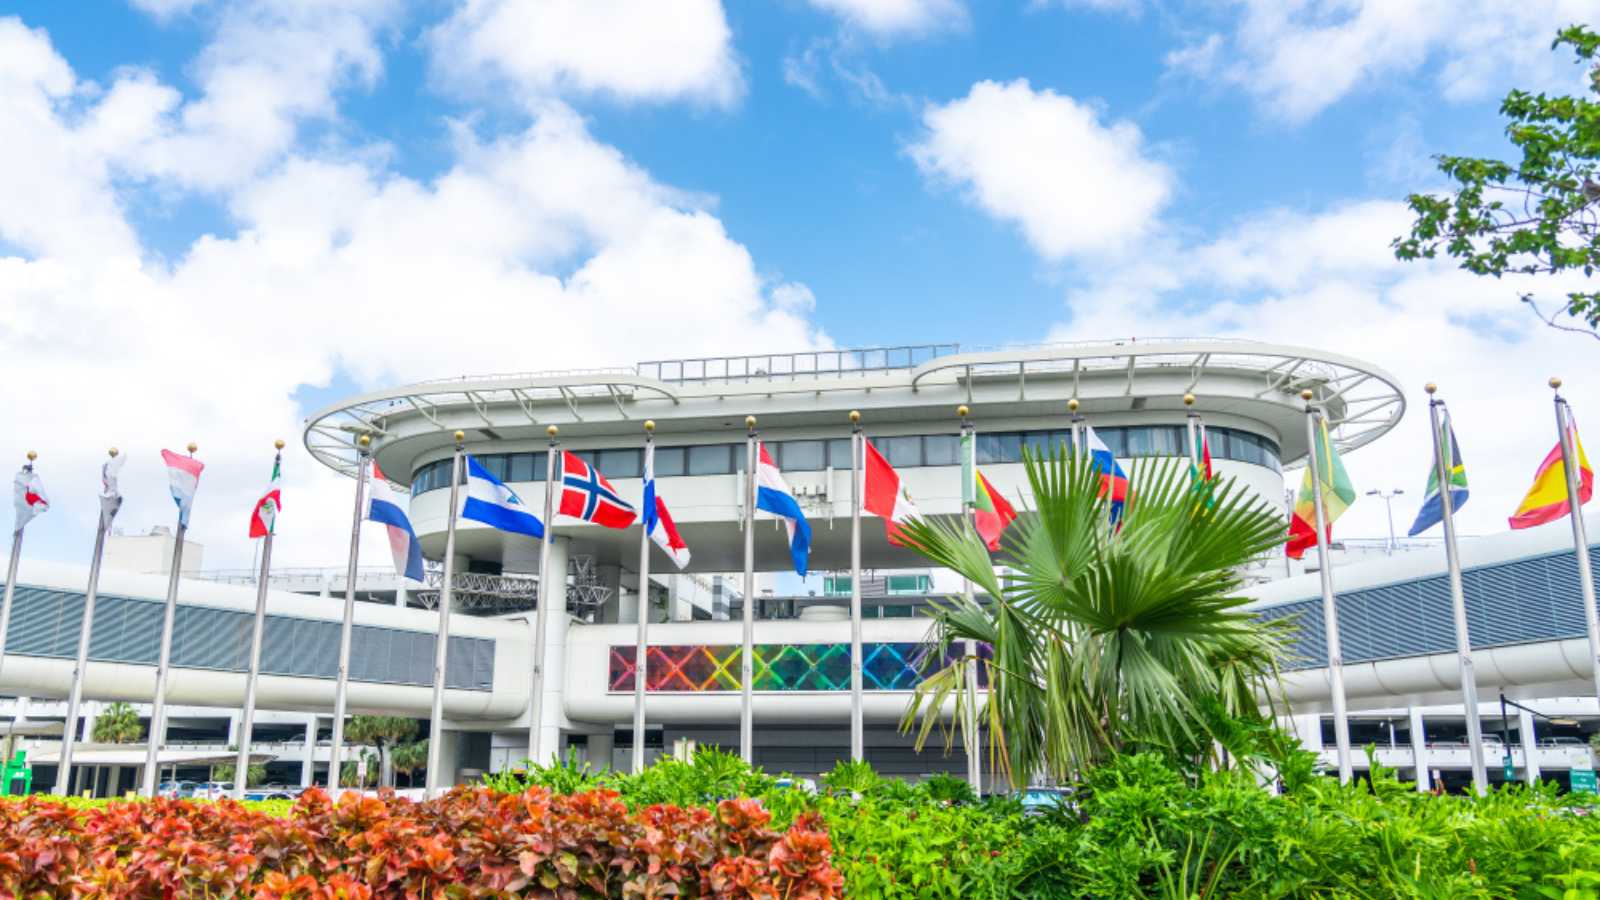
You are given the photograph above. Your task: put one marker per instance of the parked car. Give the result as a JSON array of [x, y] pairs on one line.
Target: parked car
[[273, 792], [1036, 800], [212, 790], [175, 789]]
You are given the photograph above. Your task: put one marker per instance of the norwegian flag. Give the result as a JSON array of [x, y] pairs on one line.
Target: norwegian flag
[[587, 495]]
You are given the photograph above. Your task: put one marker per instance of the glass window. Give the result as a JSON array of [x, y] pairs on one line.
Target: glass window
[[669, 461], [1115, 439], [493, 463], [839, 453], [999, 448], [803, 456], [519, 467], [1155, 440], [711, 459], [1220, 441], [1044, 444], [941, 450], [623, 463], [901, 451]]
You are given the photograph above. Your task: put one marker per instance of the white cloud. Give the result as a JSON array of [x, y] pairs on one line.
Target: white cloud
[[631, 50], [544, 242], [897, 18], [1328, 281], [167, 9], [1297, 57], [1074, 184]]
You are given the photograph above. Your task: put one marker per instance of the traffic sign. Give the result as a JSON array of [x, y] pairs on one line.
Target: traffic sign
[[1511, 770], [1583, 780]]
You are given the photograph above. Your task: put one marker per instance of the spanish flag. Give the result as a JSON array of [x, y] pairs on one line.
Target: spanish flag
[[1547, 499]]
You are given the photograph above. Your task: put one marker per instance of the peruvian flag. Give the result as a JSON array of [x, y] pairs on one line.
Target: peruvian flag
[[883, 495], [265, 515], [29, 495]]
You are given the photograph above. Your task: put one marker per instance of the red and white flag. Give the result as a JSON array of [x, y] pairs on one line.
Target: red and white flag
[[587, 495], [884, 496], [183, 473], [29, 495]]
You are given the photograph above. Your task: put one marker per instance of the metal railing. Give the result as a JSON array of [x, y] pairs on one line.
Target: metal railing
[[807, 364]]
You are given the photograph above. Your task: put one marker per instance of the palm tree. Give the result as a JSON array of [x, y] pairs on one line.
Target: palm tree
[[409, 758], [117, 724], [1105, 638], [384, 733]]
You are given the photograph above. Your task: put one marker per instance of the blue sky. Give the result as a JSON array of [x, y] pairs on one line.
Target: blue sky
[[293, 196]]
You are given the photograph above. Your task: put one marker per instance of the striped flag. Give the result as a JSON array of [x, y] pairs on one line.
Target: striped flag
[[1547, 498], [883, 496], [1432, 511], [184, 473], [1337, 495], [991, 512], [265, 515]]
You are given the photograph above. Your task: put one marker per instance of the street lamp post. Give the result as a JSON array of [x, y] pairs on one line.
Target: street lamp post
[[1388, 504]]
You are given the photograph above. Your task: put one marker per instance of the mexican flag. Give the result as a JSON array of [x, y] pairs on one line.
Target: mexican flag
[[1337, 495], [265, 515], [991, 513]]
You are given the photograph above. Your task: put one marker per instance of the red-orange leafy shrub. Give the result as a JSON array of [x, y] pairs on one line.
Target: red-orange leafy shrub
[[472, 841]]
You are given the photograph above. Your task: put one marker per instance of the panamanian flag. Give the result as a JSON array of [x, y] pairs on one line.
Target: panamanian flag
[[773, 496]]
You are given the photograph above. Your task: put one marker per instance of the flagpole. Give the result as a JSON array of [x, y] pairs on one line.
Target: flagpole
[[969, 646], [341, 688], [441, 646], [1077, 430], [747, 731], [549, 583], [241, 767], [158, 706], [1458, 602], [11, 575], [858, 751], [1191, 421], [75, 695], [642, 637], [1580, 538], [1330, 609]]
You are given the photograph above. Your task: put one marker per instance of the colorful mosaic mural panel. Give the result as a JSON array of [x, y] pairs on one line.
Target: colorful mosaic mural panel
[[699, 668]]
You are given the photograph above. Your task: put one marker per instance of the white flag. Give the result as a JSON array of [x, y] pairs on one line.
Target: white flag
[[110, 497], [29, 494]]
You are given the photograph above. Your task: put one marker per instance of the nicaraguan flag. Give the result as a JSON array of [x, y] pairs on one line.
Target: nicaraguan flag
[[773, 496], [383, 505], [492, 503], [657, 521], [1432, 511]]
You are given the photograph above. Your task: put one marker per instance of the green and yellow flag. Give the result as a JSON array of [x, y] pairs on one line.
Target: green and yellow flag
[[1337, 495]]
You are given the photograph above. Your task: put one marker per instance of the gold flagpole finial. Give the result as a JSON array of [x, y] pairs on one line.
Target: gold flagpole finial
[[552, 431], [113, 451], [1306, 395], [193, 447], [1072, 405], [750, 422], [855, 417], [460, 437], [277, 444], [649, 426], [365, 440], [1555, 383], [1431, 388], [962, 411], [32, 456]]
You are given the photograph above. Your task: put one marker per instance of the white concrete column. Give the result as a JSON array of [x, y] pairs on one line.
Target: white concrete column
[[233, 727], [678, 606], [1419, 749], [1530, 745], [327, 585], [600, 747], [308, 766], [449, 757], [401, 594], [91, 712], [113, 779], [552, 709]]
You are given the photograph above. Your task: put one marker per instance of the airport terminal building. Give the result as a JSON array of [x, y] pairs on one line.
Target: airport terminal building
[[1130, 391]]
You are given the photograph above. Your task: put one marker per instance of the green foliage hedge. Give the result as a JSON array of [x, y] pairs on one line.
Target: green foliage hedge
[[1138, 827]]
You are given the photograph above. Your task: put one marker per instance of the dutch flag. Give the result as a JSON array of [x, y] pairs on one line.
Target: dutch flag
[[383, 505], [489, 501], [773, 496]]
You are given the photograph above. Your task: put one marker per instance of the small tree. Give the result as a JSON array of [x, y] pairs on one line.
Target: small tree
[[255, 773], [348, 772], [1540, 216], [384, 733], [117, 724], [410, 758]]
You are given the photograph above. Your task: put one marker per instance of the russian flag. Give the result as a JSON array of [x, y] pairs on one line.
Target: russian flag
[[489, 501], [773, 496], [1113, 481], [383, 505], [657, 521]]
